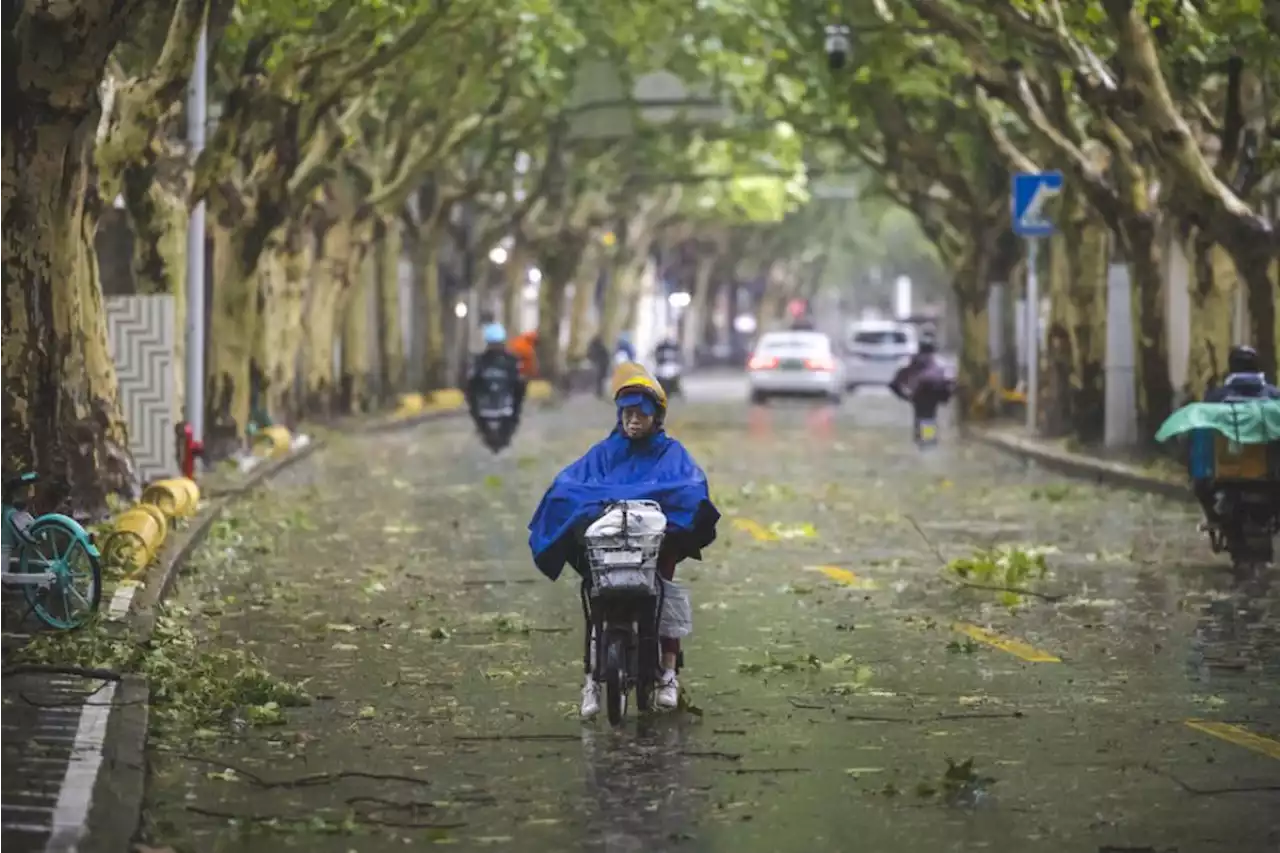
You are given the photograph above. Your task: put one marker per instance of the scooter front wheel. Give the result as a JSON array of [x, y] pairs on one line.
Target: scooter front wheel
[[615, 681]]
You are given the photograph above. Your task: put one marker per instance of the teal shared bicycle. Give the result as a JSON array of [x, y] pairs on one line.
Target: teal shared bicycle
[[52, 558]]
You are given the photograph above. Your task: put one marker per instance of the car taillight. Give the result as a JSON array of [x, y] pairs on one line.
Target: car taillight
[[824, 362], [762, 362]]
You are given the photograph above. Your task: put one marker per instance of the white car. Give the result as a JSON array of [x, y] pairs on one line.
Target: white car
[[795, 364], [876, 349]]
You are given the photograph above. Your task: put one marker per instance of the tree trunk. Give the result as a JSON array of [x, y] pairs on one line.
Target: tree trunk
[[286, 269], [391, 357], [584, 292], [355, 335], [1255, 266], [696, 315], [1214, 282], [971, 284], [513, 275], [616, 292], [234, 324], [328, 287], [1154, 385], [61, 410], [1059, 356], [559, 262], [427, 263], [773, 301], [1086, 248]]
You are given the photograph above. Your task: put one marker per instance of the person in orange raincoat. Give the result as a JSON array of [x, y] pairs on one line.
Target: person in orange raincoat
[[525, 348]]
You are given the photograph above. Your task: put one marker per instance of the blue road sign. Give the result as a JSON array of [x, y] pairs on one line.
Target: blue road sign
[[1031, 191]]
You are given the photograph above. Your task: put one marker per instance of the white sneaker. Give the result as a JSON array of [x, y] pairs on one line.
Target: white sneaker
[[668, 690], [590, 699]]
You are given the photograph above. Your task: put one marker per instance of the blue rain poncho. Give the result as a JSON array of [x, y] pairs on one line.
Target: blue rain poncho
[[656, 468]]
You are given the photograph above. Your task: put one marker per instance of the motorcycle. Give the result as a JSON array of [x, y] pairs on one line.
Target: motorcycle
[[1234, 455], [1249, 524], [495, 414], [624, 602], [668, 371]]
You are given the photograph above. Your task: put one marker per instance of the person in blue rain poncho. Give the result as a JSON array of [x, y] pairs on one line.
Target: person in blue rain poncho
[[636, 461]]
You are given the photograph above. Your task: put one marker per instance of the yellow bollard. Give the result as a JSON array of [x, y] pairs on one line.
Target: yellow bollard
[[410, 404], [158, 514], [193, 494], [134, 539], [174, 497], [275, 440], [447, 399]]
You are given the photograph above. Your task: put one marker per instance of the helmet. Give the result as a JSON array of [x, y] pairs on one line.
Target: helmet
[[927, 345], [1243, 359], [632, 384], [495, 334]]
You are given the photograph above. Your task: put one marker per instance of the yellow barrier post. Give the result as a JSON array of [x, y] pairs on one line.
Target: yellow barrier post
[[411, 403], [176, 498], [135, 538], [447, 399], [276, 438]]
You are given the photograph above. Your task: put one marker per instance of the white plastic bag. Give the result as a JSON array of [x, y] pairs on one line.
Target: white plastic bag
[[676, 620], [642, 518]]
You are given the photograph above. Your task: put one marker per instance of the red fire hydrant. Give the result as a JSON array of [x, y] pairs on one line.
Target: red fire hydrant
[[190, 450]]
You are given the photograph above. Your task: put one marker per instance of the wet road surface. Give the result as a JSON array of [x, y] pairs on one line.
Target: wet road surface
[[836, 669]]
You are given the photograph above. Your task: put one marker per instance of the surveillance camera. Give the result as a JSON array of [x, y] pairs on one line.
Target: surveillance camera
[[837, 46]]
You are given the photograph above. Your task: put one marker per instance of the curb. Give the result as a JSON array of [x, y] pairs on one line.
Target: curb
[[391, 424], [159, 578], [121, 784], [1081, 466]]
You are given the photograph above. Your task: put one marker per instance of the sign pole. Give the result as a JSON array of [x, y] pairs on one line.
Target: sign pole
[[196, 115], [1033, 334]]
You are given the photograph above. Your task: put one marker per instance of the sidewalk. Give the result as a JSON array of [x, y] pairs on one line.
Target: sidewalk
[[1055, 456], [74, 745]]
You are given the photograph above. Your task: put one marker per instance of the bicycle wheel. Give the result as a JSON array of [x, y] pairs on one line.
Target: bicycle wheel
[[75, 590], [615, 680]]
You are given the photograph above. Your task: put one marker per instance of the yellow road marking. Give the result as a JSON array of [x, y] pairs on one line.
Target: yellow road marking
[[1238, 735], [843, 576], [758, 531], [1017, 648]]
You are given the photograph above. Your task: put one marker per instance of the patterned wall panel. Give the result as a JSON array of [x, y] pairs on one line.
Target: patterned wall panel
[[141, 333]]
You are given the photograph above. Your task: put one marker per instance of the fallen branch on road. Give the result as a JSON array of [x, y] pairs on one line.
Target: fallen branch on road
[[1209, 792], [307, 819], [873, 718], [727, 756], [307, 781], [744, 771], [1016, 590], [480, 738]]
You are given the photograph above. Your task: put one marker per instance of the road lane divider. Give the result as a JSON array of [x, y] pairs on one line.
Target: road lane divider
[[758, 531], [844, 577], [1015, 647], [1238, 735]]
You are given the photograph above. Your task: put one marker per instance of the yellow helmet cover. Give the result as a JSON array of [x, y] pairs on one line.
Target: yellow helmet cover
[[632, 376]]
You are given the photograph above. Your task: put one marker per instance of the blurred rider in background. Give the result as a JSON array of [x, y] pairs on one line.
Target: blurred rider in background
[[1244, 378], [495, 364], [923, 383]]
